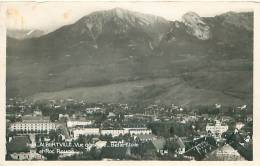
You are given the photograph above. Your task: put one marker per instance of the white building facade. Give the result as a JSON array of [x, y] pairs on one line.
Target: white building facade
[[217, 129], [131, 131], [85, 131], [114, 133], [137, 131], [37, 127], [73, 123]]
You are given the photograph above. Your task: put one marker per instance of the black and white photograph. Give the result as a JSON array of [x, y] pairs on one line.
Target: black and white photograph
[[133, 81]]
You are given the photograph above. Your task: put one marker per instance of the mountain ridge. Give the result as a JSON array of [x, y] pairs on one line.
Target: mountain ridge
[[93, 52]]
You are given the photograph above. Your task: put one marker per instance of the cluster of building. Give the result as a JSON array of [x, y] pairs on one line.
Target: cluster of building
[[33, 124], [123, 127], [79, 122], [23, 147], [216, 128], [113, 132], [42, 124]]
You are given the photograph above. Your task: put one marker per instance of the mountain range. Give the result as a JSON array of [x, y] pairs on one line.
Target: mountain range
[[24, 33], [122, 56]]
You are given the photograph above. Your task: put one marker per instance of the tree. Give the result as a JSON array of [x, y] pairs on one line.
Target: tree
[[54, 116], [53, 135], [82, 139], [171, 145], [51, 156]]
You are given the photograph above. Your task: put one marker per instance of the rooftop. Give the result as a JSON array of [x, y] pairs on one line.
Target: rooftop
[[180, 142], [30, 118], [225, 153], [159, 143]]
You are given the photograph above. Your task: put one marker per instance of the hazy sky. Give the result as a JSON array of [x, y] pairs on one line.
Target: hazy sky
[[51, 15]]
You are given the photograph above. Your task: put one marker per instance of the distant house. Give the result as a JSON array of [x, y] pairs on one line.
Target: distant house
[[36, 124], [226, 118], [216, 129], [92, 110], [146, 137], [32, 155], [68, 154], [100, 144], [129, 116], [180, 145], [37, 113], [136, 131], [78, 122], [159, 145], [249, 118], [114, 133], [85, 131], [63, 116], [111, 114], [30, 118], [239, 125], [131, 131]]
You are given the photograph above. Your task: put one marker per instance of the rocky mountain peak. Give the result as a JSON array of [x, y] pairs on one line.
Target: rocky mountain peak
[[119, 12], [116, 21], [114, 47], [122, 15], [196, 26]]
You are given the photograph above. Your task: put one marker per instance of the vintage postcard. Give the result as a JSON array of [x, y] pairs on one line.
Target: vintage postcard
[[128, 81]]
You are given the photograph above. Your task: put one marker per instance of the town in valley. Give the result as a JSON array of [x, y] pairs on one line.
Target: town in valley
[[129, 81], [78, 130]]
